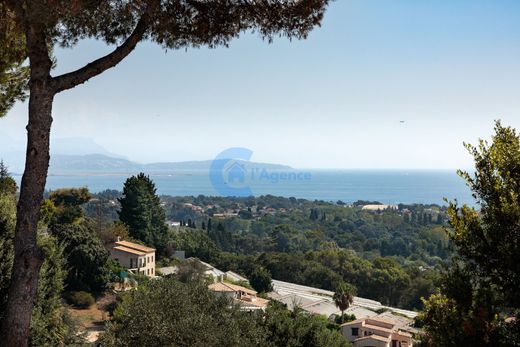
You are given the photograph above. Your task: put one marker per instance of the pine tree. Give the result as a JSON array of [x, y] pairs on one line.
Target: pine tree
[[28, 32], [7, 183]]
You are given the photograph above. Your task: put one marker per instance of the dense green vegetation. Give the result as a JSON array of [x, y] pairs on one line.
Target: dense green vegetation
[[382, 279], [172, 313], [393, 255], [142, 213], [293, 247], [278, 224], [468, 278], [50, 322], [344, 296], [479, 302]]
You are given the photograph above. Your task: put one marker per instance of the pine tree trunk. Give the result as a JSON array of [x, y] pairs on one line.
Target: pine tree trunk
[[28, 258]]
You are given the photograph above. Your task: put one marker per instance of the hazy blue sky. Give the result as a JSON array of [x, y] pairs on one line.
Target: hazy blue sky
[[447, 68]]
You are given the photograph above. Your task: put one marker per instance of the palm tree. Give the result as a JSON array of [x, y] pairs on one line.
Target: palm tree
[[344, 296]]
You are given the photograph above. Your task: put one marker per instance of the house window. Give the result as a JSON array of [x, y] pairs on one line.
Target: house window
[[148, 271], [355, 331], [152, 257]]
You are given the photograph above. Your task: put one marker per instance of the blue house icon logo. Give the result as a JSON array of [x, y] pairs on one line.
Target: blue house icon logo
[[227, 173], [236, 173]]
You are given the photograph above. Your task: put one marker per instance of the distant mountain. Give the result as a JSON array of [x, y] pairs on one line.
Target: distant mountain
[[63, 152], [77, 155], [102, 164], [79, 146], [90, 163]]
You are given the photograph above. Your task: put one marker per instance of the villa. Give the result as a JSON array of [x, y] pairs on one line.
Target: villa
[[375, 332], [137, 259], [246, 298]]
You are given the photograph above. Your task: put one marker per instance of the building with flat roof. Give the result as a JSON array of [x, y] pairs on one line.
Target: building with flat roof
[[136, 258]]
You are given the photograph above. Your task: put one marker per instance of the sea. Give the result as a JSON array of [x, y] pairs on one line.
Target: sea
[[385, 186]]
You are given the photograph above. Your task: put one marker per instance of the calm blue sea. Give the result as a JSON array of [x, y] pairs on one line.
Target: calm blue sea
[[394, 186]]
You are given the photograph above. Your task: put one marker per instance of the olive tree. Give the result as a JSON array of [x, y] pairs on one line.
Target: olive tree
[[29, 31]]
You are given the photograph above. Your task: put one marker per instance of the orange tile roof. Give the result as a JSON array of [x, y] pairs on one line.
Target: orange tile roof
[[380, 319], [403, 333], [377, 327], [359, 320], [129, 250], [373, 337], [135, 246], [228, 287], [240, 288], [259, 302], [220, 287]]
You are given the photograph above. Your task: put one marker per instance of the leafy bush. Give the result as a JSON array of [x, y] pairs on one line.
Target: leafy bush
[[80, 299], [345, 319]]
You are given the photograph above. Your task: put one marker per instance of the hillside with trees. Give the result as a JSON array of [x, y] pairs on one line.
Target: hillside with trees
[[393, 255]]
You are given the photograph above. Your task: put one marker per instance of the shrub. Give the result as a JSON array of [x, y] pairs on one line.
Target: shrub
[[80, 299]]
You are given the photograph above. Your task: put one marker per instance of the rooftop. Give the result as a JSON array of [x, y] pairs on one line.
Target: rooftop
[[228, 287], [135, 246], [372, 337], [129, 250], [301, 293]]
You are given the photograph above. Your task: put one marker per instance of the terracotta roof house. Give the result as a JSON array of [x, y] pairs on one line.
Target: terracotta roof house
[[137, 259], [245, 297], [375, 332]]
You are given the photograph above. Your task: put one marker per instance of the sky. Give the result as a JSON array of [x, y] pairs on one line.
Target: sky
[[446, 68]]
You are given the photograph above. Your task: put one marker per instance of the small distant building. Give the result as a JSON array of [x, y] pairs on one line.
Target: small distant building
[[375, 331], [379, 207], [137, 259], [244, 297], [173, 224]]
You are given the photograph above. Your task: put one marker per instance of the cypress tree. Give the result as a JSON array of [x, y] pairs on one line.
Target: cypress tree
[[141, 211]]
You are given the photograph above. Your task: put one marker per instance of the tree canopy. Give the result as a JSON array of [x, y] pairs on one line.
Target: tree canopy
[[142, 212], [489, 237], [87, 258], [30, 30], [180, 314], [344, 296], [14, 75], [479, 297]]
